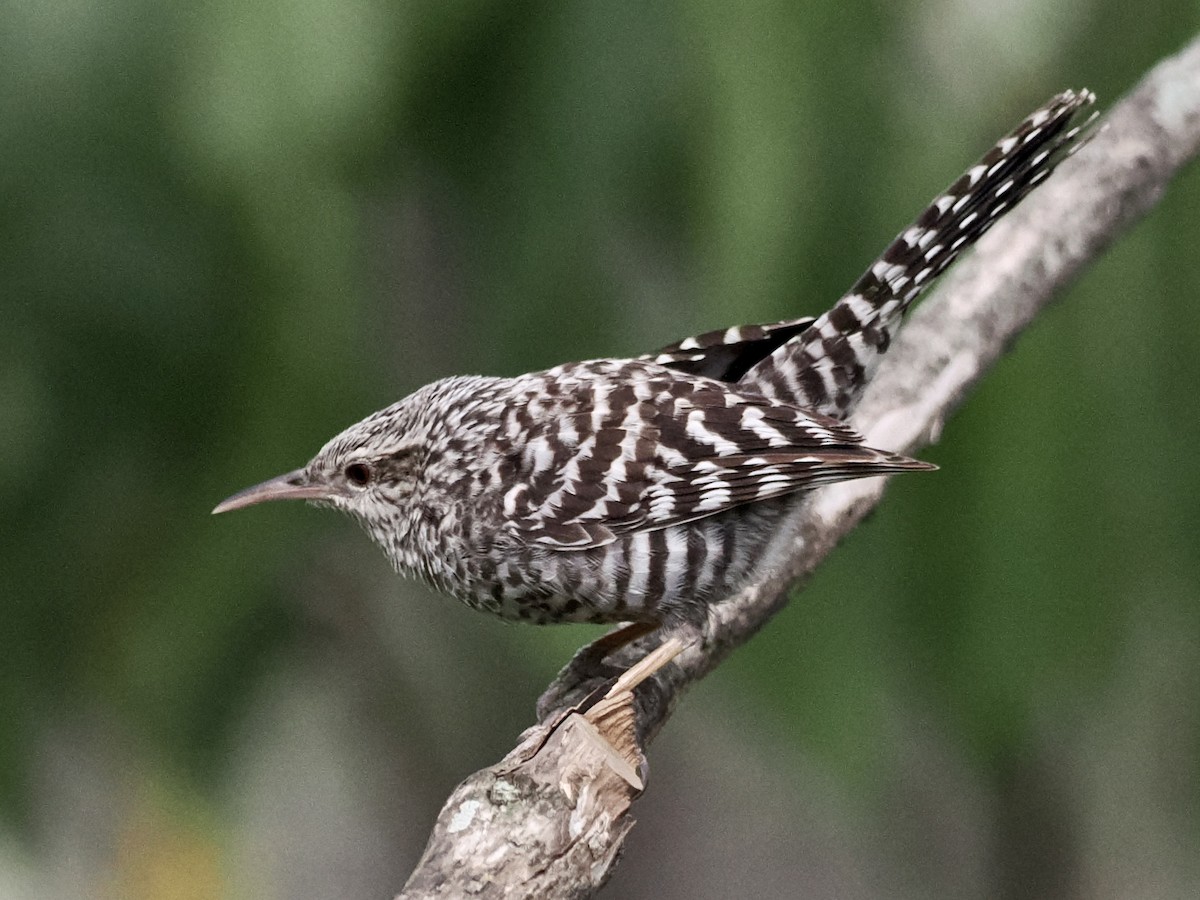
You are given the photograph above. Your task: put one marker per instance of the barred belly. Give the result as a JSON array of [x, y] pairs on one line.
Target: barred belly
[[671, 574]]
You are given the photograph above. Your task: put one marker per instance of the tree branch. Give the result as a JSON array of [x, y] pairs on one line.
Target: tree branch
[[549, 820]]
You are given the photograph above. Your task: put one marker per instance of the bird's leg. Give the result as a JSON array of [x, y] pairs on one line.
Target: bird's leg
[[587, 667]]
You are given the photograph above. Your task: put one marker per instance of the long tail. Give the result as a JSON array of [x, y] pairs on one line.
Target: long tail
[[826, 366]]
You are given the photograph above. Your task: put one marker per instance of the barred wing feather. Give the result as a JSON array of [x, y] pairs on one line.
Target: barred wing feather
[[679, 450]]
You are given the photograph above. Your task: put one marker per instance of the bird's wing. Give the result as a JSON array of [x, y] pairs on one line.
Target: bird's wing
[[728, 354], [650, 449]]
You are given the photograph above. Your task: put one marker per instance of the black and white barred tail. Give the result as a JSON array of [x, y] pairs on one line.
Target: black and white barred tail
[[823, 364]]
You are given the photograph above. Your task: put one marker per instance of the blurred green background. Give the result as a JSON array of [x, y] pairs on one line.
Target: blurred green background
[[230, 229]]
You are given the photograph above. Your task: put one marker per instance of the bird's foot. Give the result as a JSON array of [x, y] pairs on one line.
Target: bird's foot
[[588, 670]]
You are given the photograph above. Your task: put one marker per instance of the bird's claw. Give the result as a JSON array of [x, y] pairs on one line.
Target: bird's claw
[[588, 670]]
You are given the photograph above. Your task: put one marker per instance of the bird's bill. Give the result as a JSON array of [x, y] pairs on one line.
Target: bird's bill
[[292, 486]]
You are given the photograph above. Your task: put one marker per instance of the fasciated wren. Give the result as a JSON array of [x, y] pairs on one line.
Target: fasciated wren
[[642, 490]]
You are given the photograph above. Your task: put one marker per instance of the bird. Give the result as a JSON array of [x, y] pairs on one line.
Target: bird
[[643, 490]]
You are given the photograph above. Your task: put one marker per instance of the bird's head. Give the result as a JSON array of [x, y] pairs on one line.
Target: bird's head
[[368, 471]]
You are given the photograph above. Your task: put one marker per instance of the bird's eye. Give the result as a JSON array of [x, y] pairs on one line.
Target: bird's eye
[[358, 474]]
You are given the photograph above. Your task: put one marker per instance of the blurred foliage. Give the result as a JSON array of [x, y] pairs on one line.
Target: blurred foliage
[[230, 229]]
